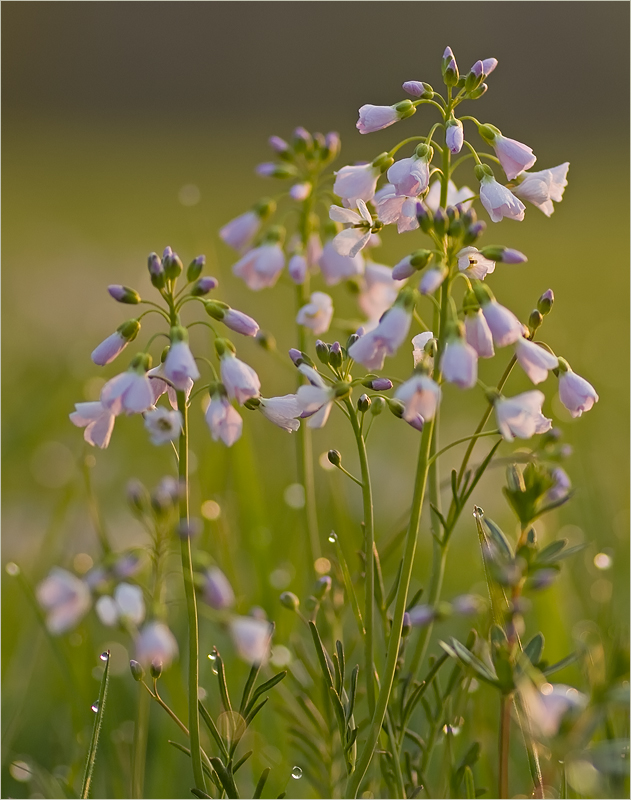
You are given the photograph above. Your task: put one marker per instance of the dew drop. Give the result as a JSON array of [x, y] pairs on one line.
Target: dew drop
[[333, 538], [296, 773], [95, 707], [105, 655], [214, 670], [12, 569], [212, 656]]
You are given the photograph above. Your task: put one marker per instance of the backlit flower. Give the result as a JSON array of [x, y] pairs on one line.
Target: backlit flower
[[353, 239], [336, 267], [317, 314], [251, 637], [156, 644], [409, 176], [534, 360], [375, 118], [541, 188], [473, 263], [356, 182], [239, 232], [378, 291], [283, 411], [64, 598], [261, 267], [499, 201], [163, 425], [576, 394], [97, 420], [521, 416], [420, 395], [223, 420], [240, 380], [372, 348]]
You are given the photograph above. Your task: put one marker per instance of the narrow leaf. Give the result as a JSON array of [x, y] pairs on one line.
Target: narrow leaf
[[534, 649], [247, 689], [255, 711], [564, 662], [339, 647], [223, 686], [439, 515], [259, 786], [227, 781], [469, 783], [395, 586], [265, 687], [322, 655], [350, 706], [348, 585], [96, 730], [241, 761], [212, 729], [498, 537]]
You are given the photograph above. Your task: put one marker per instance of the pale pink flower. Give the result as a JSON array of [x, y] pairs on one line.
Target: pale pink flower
[[534, 360], [576, 394], [300, 191], [503, 324], [409, 176], [432, 280], [97, 420], [127, 604], [499, 201], [156, 644], [314, 249], [351, 240], [261, 267], [217, 591], [420, 395], [372, 348], [252, 638], [297, 268], [473, 263], [514, 156], [463, 195], [283, 411], [454, 136], [459, 363], [521, 416], [224, 420], [378, 291], [418, 343], [336, 268], [392, 207], [109, 348], [547, 706], [64, 598], [239, 232], [357, 182], [317, 314], [180, 367], [478, 334], [375, 118], [240, 380], [159, 386], [240, 323], [130, 392], [541, 188], [315, 402], [163, 425]]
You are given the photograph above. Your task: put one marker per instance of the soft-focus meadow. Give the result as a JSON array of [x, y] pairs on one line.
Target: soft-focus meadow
[[89, 192]]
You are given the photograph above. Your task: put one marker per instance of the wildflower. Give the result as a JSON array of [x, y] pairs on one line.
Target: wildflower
[[283, 411], [297, 268], [127, 604], [155, 644], [561, 486], [432, 279], [114, 345], [357, 182], [317, 314], [130, 391], [503, 324], [534, 360], [300, 191], [420, 395], [351, 240], [372, 348], [414, 88], [64, 598], [454, 136], [576, 394], [473, 263], [514, 156], [251, 637], [240, 380], [97, 420], [455, 196], [160, 384], [541, 188], [410, 176], [336, 267], [418, 342], [392, 207], [422, 615], [378, 291], [235, 320], [217, 591], [261, 267], [521, 416], [179, 366], [499, 201], [316, 399], [479, 334], [223, 419], [163, 425], [376, 118], [459, 362], [548, 705], [313, 250]]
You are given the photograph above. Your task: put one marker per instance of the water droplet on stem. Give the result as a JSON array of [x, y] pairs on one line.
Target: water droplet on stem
[[296, 773]]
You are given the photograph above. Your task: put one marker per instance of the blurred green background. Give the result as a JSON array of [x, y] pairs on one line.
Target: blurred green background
[[130, 126]]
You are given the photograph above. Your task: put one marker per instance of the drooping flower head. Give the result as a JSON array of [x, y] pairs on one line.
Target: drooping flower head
[[498, 201], [260, 268], [576, 394], [459, 361], [179, 366], [131, 391], [376, 118], [64, 598], [114, 345], [514, 156], [223, 420], [317, 313], [240, 380], [521, 416], [372, 348], [541, 188], [98, 421]]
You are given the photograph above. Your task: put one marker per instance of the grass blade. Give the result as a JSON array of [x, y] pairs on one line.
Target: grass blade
[[96, 730]]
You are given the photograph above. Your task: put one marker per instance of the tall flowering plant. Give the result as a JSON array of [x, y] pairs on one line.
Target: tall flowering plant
[[437, 302]]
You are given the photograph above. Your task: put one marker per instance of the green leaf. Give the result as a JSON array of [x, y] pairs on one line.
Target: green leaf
[[339, 647], [255, 711], [237, 766], [551, 550], [322, 655], [498, 538], [199, 793], [227, 781], [564, 662], [534, 649], [205, 767], [439, 515], [96, 730], [459, 651], [263, 688], [247, 689], [350, 706], [469, 783], [393, 591], [221, 680], [261, 783], [212, 729]]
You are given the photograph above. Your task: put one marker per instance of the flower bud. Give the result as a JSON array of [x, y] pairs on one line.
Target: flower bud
[[216, 309], [424, 217], [383, 162], [266, 340], [477, 93], [322, 587], [335, 457], [137, 496], [195, 268], [414, 88], [451, 74], [351, 340], [269, 170], [377, 384], [203, 286], [322, 351], [468, 215], [396, 407], [290, 601], [377, 406], [545, 302], [534, 320], [278, 145], [172, 264], [156, 270], [474, 232], [441, 222], [335, 355], [364, 403], [123, 294], [156, 668], [332, 146], [302, 140], [420, 258], [475, 77], [503, 254], [137, 671], [406, 630]]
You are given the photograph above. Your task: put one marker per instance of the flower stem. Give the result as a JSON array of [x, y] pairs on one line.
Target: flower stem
[[356, 777], [504, 742], [141, 731], [369, 548], [191, 603]]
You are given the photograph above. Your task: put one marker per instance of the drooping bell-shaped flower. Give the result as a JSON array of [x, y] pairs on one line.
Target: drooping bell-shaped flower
[[356, 182], [283, 411], [240, 380], [217, 591], [454, 136], [155, 644], [317, 313], [479, 334], [114, 345], [240, 231], [336, 268], [503, 324], [223, 420], [372, 348], [261, 267], [64, 598], [376, 118], [514, 156], [378, 291], [98, 421], [251, 637], [131, 391], [410, 176], [459, 361], [535, 360], [541, 188], [179, 366], [420, 395], [576, 394], [521, 416], [499, 201]]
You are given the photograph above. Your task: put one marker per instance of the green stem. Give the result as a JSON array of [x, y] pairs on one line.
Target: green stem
[[355, 779], [141, 733], [369, 548], [504, 743], [191, 602]]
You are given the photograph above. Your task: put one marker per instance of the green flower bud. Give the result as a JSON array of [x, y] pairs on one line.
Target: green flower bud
[[396, 407], [322, 587], [335, 355], [488, 132], [383, 162], [470, 303], [252, 403], [141, 362], [138, 496], [290, 601], [172, 266], [265, 208], [420, 258], [266, 340], [364, 403], [156, 668], [483, 171], [335, 457], [129, 330], [195, 268], [545, 302], [137, 671], [477, 93], [405, 109], [322, 351], [534, 320], [377, 406], [216, 309], [423, 151], [124, 294]]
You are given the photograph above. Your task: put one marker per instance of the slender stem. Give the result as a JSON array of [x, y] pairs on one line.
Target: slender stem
[[460, 441], [141, 733], [505, 703], [191, 602], [369, 548], [355, 779]]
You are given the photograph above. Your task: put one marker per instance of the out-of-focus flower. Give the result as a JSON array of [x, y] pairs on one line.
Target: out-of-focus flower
[[239, 232], [316, 399], [418, 343], [336, 268], [159, 386], [223, 420], [521, 416], [252, 638], [378, 291], [541, 188], [179, 366], [561, 486], [420, 395], [64, 598], [392, 207], [155, 644], [240, 380], [499, 201], [351, 240], [127, 604], [300, 191], [217, 591], [432, 280], [356, 182], [421, 616], [473, 263], [261, 267], [576, 394], [297, 268], [547, 706], [455, 196], [97, 420], [163, 425], [283, 411], [372, 348], [317, 314], [534, 360]]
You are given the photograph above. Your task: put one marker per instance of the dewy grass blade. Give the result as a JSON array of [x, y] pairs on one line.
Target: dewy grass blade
[[99, 709]]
